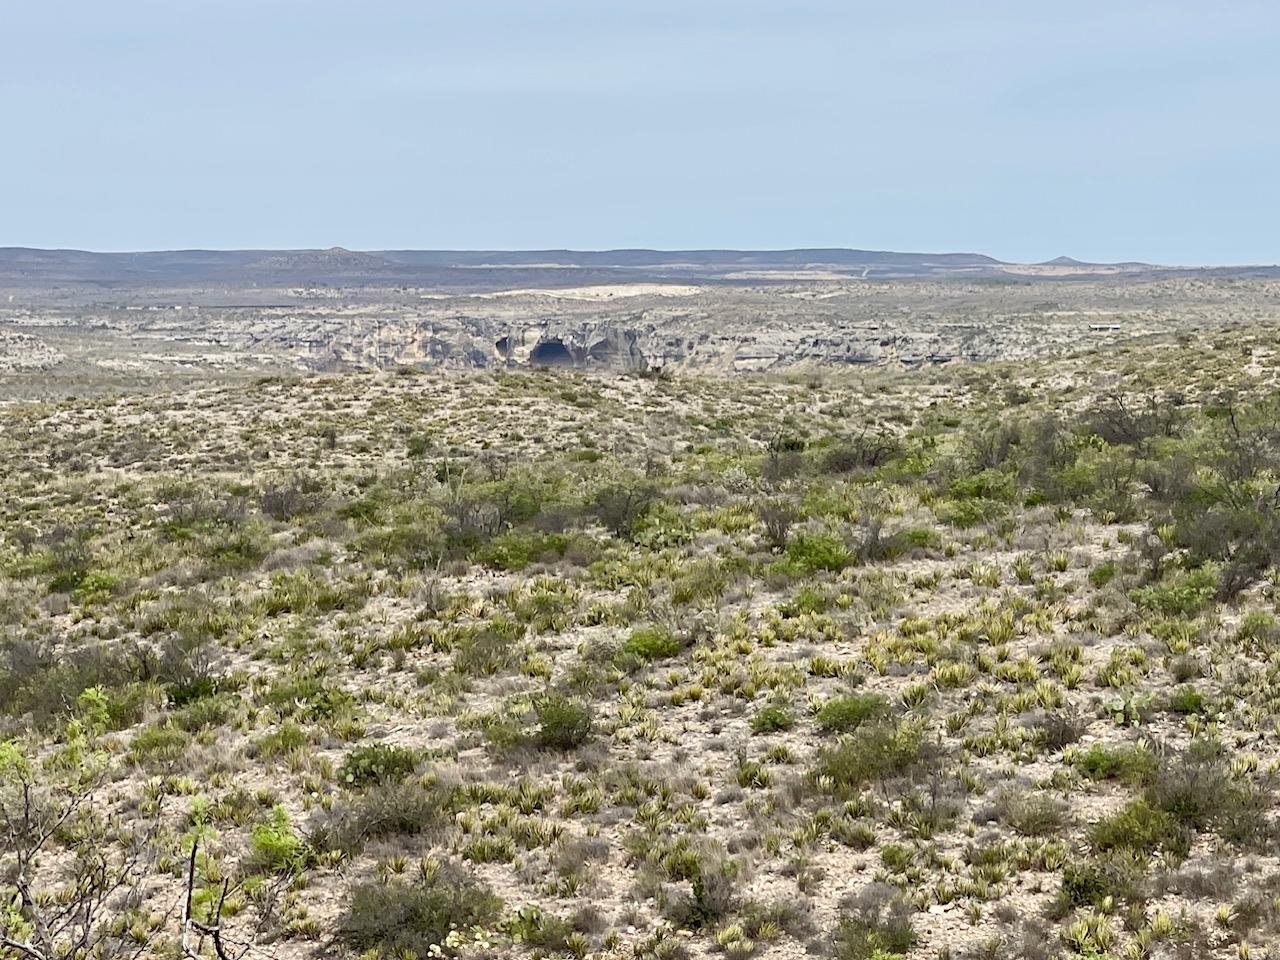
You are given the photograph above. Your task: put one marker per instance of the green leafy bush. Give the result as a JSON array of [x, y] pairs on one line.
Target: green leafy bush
[[619, 507], [810, 553], [1029, 813], [204, 713], [376, 763], [399, 918], [875, 924], [303, 592], [1258, 627], [275, 847], [845, 714], [118, 707], [394, 810], [96, 586], [159, 746], [969, 513], [309, 698], [985, 485], [1103, 574], [651, 643], [774, 718], [1134, 765], [1116, 876], [564, 723], [284, 740], [516, 549], [1184, 595], [874, 752], [1186, 700], [1142, 828]]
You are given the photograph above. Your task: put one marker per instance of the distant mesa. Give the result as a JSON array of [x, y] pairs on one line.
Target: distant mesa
[[338, 259], [216, 275]]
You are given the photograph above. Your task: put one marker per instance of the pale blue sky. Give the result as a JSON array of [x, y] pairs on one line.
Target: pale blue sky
[[1103, 130]]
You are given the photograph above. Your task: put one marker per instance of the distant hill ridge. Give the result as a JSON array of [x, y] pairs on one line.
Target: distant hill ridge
[[31, 269]]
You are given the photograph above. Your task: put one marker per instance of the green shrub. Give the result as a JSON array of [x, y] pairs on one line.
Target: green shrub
[[488, 650], [96, 586], [1141, 828], [116, 708], [1112, 877], [1194, 787], [845, 714], [1258, 627], [275, 847], [916, 538], [395, 810], [563, 722], [862, 452], [302, 592], [417, 445], [1134, 765], [876, 751], [69, 562], [1184, 595], [969, 513], [651, 643], [620, 507], [234, 551], [376, 763], [308, 698], [40, 681], [875, 924], [516, 549], [1103, 574], [1186, 700], [986, 485], [198, 688], [1030, 814], [301, 495], [806, 600], [772, 719], [205, 713], [540, 930], [896, 857], [413, 919], [286, 739], [159, 746], [810, 553]]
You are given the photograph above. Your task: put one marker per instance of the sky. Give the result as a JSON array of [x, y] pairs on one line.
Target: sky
[[1103, 129]]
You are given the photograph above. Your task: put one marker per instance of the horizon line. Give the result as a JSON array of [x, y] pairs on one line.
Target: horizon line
[[1065, 259]]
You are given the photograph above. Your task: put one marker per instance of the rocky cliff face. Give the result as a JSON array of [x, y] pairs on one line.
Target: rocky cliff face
[[20, 351], [620, 328], [559, 344], [623, 346]]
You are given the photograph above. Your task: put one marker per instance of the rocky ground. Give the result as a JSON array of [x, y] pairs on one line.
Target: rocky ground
[[706, 329]]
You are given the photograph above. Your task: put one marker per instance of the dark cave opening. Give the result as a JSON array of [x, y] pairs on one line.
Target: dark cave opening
[[551, 353]]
